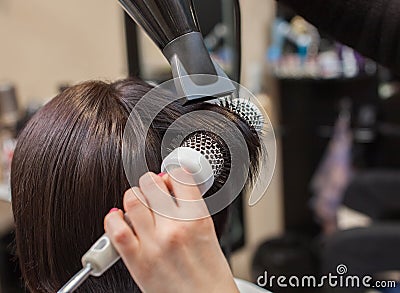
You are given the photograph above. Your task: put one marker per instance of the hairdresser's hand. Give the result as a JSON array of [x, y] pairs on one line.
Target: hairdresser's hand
[[166, 255]]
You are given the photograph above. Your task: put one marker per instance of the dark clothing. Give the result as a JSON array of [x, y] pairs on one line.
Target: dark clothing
[[372, 27]]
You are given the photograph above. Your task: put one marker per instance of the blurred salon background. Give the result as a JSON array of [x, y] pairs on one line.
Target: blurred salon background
[[334, 196]]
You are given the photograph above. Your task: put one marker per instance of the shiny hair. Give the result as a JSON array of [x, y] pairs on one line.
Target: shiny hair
[[67, 173]]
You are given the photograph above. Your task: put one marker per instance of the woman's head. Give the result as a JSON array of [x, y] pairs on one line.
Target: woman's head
[[67, 172]]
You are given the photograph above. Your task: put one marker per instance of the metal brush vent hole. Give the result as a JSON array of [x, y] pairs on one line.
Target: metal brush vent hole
[[209, 147]]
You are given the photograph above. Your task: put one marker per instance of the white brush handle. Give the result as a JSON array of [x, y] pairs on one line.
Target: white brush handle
[[102, 255]]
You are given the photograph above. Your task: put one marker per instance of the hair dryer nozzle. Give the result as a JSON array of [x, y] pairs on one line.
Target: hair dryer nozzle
[[197, 77]]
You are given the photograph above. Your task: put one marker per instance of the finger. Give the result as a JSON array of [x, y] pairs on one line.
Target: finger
[[140, 216], [191, 205], [182, 185], [157, 195], [121, 235]]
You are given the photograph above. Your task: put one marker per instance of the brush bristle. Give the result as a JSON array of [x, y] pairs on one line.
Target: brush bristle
[[246, 109]]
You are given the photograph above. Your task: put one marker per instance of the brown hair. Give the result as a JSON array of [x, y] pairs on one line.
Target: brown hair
[[67, 172]]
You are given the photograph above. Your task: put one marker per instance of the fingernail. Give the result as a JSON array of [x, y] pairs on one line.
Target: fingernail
[[162, 174], [113, 210]]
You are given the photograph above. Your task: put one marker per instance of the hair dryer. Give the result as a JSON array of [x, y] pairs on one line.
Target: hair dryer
[[173, 27]]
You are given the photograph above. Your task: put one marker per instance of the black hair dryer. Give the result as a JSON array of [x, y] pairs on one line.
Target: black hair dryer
[[173, 26]]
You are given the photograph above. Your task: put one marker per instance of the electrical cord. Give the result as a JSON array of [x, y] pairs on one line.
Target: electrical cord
[[237, 57]]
